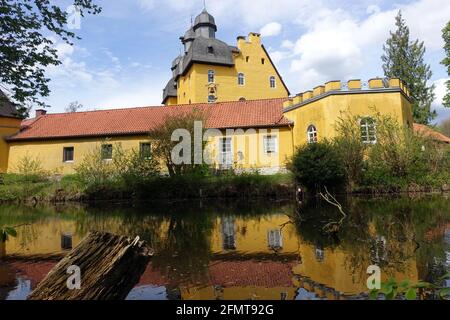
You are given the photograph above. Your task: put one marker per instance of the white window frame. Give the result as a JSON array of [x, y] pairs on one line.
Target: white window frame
[[274, 148], [241, 76], [213, 74], [366, 128], [64, 154], [274, 82], [226, 157], [312, 135]]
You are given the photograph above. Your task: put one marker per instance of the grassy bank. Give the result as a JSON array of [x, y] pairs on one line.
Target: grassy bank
[[35, 188]]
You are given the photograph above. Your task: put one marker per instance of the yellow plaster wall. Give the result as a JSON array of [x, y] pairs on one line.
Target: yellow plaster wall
[[8, 127], [50, 153], [250, 143], [193, 87], [323, 113]]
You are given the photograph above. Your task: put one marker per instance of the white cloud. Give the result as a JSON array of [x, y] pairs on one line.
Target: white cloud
[[337, 43], [271, 29], [287, 44]]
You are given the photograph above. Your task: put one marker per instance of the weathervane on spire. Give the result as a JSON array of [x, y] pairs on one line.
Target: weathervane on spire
[[204, 4]]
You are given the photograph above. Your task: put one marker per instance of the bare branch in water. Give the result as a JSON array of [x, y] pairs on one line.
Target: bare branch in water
[[334, 225]]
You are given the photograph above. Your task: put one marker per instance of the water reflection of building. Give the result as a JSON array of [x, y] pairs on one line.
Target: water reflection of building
[[249, 258]]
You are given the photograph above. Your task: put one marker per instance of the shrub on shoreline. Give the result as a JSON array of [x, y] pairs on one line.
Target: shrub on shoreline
[[393, 159], [318, 165]]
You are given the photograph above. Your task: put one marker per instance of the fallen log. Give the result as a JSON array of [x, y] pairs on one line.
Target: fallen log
[[110, 266]]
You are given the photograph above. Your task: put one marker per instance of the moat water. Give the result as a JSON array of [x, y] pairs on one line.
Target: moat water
[[242, 250]]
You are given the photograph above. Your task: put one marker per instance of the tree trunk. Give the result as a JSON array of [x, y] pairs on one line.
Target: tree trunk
[[110, 267]]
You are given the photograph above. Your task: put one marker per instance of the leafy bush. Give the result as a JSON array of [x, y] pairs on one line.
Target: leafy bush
[[127, 167], [29, 169], [350, 147], [318, 165], [402, 157]]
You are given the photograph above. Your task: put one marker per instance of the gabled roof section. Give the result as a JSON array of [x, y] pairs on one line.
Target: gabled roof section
[[276, 70], [139, 121]]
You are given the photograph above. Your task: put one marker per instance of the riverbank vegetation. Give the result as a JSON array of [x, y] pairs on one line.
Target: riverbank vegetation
[[368, 155], [130, 177], [373, 155]]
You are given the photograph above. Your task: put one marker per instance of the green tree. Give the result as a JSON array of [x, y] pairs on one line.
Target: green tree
[[26, 46], [163, 145], [446, 61], [404, 59], [318, 165]]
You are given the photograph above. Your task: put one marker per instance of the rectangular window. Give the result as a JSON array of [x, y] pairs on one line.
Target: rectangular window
[[270, 144], [146, 150], [107, 151], [68, 153]]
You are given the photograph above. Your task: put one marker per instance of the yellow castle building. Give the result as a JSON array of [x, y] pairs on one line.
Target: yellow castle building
[[258, 124]]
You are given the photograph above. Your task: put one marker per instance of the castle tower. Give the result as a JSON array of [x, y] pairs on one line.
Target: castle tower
[[212, 71]]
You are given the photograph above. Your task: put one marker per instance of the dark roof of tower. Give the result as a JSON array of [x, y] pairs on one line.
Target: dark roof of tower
[[189, 35], [7, 108], [170, 90], [205, 19], [207, 50]]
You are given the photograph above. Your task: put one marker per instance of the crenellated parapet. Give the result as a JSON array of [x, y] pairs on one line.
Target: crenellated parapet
[[351, 86]]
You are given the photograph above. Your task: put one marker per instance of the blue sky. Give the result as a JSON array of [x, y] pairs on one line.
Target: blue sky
[[124, 56]]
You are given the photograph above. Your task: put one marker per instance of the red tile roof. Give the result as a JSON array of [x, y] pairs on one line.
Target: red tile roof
[[431, 133], [136, 121]]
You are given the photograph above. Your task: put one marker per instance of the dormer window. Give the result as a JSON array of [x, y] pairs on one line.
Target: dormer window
[[210, 50]]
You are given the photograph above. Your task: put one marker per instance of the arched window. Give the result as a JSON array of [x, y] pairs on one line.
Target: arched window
[[273, 82], [241, 79], [242, 99], [312, 134], [368, 130], [211, 76]]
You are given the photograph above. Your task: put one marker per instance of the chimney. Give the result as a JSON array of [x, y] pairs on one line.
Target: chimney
[[40, 112]]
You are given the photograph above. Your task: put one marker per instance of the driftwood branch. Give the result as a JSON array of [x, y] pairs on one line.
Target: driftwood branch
[[333, 226], [110, 267]]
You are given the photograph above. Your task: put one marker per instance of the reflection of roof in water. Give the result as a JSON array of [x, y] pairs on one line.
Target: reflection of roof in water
[[224, 273]]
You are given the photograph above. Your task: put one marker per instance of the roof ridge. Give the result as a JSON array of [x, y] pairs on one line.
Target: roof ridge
[[158, 107]]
